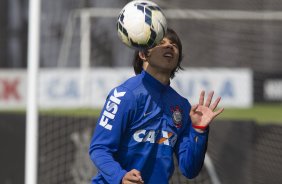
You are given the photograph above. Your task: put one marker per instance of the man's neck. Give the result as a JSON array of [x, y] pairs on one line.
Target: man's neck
[[162, 77]]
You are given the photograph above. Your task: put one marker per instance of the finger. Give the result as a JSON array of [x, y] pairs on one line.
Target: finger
[[136, 175], [130, 180], [215, 103], [216, 113], [202, 97], [136, 172], [133, 179], [194, 107], [209, 99]]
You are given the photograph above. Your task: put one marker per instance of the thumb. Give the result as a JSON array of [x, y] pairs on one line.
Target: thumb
[[194, 107]]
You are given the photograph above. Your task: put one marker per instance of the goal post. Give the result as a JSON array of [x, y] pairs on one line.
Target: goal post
[[32, 109]]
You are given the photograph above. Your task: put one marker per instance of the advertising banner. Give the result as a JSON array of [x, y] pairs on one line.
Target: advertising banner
[[75, 88], [267, 87]]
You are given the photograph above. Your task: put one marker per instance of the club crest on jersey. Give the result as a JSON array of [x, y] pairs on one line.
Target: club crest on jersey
[[177, 116]]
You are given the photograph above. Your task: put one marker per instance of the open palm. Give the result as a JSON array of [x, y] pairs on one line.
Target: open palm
[[203, 113]]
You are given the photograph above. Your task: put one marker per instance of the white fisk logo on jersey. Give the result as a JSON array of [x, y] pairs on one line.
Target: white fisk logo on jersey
[[111, 109]]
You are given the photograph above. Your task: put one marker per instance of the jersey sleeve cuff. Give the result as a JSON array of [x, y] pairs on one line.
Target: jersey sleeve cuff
[[199, 137], [120, 176], [205, 132]]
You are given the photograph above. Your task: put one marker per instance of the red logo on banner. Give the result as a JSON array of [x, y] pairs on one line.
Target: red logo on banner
[[9, 89]]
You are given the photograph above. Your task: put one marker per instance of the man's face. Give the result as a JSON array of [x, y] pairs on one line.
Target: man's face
[[164, 57]]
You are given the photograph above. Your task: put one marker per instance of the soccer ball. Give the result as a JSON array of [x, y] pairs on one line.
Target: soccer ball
[[141, 24]]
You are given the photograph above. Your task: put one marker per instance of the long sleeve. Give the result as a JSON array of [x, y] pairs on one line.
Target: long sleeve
[[107, 136], [190, 151]]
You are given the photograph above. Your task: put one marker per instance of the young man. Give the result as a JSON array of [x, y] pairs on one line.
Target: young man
[[144, 121]]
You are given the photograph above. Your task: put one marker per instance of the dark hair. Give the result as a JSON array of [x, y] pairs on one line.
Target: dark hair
[[171, 35]]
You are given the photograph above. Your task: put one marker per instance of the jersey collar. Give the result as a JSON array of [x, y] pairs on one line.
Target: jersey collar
[[154, 82]]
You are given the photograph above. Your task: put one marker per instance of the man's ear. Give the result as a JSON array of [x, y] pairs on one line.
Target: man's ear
[[143, 56]]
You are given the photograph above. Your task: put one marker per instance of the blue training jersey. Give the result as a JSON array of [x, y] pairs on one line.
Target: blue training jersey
[[142, 124]]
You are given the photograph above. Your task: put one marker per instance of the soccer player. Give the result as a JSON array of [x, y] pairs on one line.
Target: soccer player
[[144, 121]]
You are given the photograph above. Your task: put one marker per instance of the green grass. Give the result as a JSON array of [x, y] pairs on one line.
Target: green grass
[[261, 113]]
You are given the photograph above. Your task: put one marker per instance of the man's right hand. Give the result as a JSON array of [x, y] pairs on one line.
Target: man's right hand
[[132, 177]]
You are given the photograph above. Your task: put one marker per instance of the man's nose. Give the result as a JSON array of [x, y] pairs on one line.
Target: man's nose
[[169, 45]]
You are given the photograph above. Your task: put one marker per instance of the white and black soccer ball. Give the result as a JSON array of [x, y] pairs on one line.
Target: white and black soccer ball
[[141, 24]]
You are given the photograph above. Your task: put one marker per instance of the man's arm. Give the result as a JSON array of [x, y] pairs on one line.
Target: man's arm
[[192, 146], [190, 151], [107, 136]]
